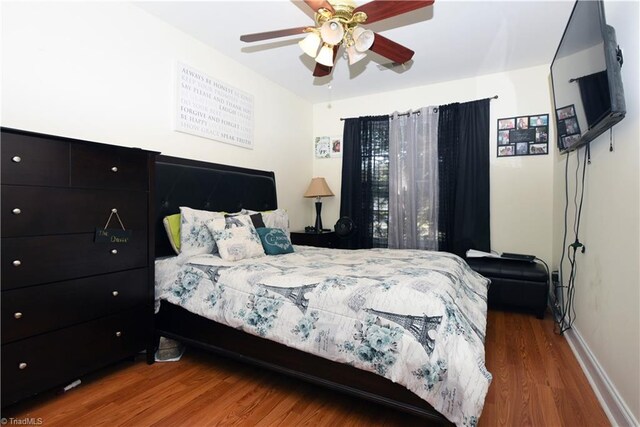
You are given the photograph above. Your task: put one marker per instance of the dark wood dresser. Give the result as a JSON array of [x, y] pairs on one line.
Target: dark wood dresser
[[71, 305]]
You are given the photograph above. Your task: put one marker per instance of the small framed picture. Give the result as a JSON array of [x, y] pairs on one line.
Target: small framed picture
[[565, 112], [538, 149], [503, 137], [323, 147], [523, 123], [570, 140], [522, 148], [336, 146], [542, 134], [506, 150], [539, 120], [507, 123], [571, 125]]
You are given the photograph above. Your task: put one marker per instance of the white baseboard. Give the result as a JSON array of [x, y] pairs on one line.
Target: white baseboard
[[616, 409]]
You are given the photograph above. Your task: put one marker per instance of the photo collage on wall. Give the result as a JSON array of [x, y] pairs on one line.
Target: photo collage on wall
[[523, 136], [568, 127]]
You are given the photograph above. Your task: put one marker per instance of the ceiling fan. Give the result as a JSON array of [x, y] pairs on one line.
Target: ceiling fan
[[338, 22]]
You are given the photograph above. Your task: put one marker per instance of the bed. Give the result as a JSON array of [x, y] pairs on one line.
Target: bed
[[366, 347]]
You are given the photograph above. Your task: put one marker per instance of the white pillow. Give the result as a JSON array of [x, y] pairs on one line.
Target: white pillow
[[237, 243], [278, 218], [195, 237]]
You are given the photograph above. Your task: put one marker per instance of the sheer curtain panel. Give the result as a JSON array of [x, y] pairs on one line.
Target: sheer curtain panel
[[413, 180]]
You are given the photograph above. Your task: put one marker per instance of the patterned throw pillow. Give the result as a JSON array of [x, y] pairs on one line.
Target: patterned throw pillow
[[274, 241], [278, 218], [195, 237], [237, 220], [238, 243]]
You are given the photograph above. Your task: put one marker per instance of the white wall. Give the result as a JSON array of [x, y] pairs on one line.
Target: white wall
[[521, 187], [607, 296], [104, 72]]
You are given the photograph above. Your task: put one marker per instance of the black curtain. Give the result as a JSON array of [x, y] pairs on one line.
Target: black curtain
[[365, 186], [448, 134], [594, 92], [463, 151]]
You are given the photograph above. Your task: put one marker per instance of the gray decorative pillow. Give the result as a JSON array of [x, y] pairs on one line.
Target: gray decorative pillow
[[278, 218], [238, 220], [237, 243], [195, 237]]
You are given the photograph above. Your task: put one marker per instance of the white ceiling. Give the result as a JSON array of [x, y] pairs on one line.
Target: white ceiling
[[452, 40]]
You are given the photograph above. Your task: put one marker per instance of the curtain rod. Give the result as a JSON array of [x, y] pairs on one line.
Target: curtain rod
[[407, 113]]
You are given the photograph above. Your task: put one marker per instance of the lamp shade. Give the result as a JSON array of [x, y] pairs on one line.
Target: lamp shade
[[332, 32], [363, 39], [318, 188], [354, 55], [310, 44], [325, 57]]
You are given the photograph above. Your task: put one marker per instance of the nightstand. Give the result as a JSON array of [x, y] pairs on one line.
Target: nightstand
[[326, 239]]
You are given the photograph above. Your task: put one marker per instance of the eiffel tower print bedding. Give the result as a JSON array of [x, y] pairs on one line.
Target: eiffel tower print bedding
[[415, 317]]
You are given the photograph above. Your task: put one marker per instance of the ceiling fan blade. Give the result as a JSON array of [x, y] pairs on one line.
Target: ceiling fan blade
[[272, 34], [323, 70], [317, 4], [391, 50], [377, 10]]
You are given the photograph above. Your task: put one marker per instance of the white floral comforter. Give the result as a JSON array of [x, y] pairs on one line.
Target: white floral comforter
[[417, 318]]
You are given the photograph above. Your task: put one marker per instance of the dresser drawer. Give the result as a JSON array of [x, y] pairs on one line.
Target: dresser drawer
[[94, 166], [33, 211], [33, 260], [29, 160], [38, 309], [54, 359]]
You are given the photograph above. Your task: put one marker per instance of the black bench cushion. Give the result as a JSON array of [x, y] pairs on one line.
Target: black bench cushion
[[509, 269]]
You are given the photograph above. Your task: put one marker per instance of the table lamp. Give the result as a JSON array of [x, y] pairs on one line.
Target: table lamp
[[318, 188]]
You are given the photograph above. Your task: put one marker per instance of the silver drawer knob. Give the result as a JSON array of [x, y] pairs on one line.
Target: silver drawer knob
[[17, 263], [16, 211], [22, 365], [16, 159], [114, 251], [118, 334], [115, 293], [114, 169], [17, 315]]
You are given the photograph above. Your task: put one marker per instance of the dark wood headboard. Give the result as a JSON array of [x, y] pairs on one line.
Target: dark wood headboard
[[207, 186]]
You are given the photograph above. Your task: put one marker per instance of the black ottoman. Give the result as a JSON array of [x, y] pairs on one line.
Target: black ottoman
[[519, 285]]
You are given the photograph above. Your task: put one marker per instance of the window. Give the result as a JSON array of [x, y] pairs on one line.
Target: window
[[375, 179]]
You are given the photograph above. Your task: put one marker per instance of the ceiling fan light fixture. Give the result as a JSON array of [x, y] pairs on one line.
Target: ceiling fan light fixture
[[310, 44], [332, 32], [363, 39], [354, 55], [325, 57]]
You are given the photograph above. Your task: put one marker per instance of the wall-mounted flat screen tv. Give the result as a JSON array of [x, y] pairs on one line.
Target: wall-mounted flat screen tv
[[585, 75]]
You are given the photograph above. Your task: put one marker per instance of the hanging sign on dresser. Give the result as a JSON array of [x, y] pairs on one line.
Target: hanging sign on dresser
[[212, 109], [113, 235]]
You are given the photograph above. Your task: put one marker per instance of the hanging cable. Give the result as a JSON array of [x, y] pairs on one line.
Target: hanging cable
[[565, 308]]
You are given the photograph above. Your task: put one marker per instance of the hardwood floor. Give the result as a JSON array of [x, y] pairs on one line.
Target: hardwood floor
[[536, 382]]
